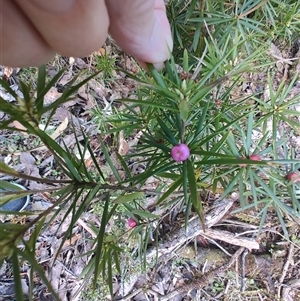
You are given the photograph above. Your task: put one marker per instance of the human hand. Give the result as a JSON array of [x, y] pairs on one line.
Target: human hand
[[32, 31]]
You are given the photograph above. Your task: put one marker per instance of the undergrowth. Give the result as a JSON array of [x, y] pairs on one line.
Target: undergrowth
[[196, 101]]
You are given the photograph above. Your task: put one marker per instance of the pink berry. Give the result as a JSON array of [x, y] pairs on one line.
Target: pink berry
[[255, 157], [180, 152], [252, 157], [131, 223], [293, 177]]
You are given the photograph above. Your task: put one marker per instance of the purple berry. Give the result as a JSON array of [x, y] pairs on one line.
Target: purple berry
[[180, 152]]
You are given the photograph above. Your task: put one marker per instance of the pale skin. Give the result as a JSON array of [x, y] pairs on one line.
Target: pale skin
[[32, 31]]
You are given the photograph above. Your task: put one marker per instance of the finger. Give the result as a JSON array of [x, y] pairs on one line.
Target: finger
[[141, 29], [70, 27], [20, 44]]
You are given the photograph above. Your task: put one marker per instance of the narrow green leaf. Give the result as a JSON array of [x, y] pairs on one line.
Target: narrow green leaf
[[76, 212], [163, 167], [144, 214], [202, 119], [253, 189], [6, 197], [209, 154], [197, 204], [95, 161], [185, 180], [184, 109], [232, 183], [293, 195], [295, 125], [290, 112], [40, 86], [31, 284], [7, 170], [117, 262], [249, 132], [221, 130], [34, 236], [227, 161], [114, 247], [27, 255], [17, 277], [7, 87], [26, 93], [169, 175], [103, 265], [7, 227], [171, 71], [157, 77], [232, 144], [42, 90], [128, 197], [109, 272], [188, 212], [67, 93], [267, 189], [251, 205], [241, 192], [111, 212], [100, 239], [137, 230], [146, 103], [11, 192], [263, 217], [109, 161], [169, 135], [143, 247], [70, 165], [82, 169], [283, 161], [186, 60], [8, 186], [151, 141], [124, 165], [279, 204], [169, 191], [197, 37], [282, 222], [215, 185]]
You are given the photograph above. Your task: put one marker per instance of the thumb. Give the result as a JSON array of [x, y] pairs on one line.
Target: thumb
[[141, 29], [71, 27]]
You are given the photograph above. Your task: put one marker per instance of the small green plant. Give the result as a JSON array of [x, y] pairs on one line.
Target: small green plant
[[106, 64], [102, 116], [218, 287], [295, 239]]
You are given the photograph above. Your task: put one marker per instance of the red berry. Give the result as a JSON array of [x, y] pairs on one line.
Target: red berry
[[131, 223], [293, 177], [180, 152]]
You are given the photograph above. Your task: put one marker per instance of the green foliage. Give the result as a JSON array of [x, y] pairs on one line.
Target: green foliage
[[106, 64], [253, 22], [216, 42]]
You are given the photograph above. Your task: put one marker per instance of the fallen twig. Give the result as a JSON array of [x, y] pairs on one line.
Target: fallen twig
[[230, 238]]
